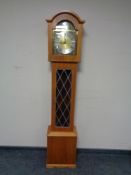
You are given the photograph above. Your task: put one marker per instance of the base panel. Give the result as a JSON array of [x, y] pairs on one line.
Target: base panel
[[61, 149], [60, 165]]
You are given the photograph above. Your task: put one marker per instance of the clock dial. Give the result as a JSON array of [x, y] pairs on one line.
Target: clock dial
[[64, 39]]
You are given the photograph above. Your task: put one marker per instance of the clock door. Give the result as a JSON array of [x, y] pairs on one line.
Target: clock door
[[63, 96], [65, 37]]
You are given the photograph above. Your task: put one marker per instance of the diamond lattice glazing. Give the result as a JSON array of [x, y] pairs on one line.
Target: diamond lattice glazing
[[63, 97]]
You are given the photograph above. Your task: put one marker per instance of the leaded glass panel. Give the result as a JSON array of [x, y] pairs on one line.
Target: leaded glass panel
[[63, 97]]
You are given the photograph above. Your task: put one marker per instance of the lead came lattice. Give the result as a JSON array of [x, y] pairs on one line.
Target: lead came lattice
[[63, 97]]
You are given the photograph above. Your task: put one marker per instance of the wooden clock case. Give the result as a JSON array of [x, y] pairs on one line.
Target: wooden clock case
[[62, 138]]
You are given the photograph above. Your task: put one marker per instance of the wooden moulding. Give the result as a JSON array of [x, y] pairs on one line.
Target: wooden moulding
[[52, 133], [61, 149], [60, 165], [72, 13]]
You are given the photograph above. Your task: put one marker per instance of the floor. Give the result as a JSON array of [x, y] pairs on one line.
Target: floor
[[27, 161]]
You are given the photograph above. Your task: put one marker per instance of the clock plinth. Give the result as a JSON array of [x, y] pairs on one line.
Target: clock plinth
[[61, 150], [64, 46]]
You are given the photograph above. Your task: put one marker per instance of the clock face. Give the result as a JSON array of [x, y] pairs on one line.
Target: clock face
[[64, 39]]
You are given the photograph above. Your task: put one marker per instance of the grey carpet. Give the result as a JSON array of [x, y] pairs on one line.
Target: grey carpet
[[27, 161]]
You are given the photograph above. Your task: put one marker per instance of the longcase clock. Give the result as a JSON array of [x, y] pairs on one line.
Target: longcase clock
[[64, 49]]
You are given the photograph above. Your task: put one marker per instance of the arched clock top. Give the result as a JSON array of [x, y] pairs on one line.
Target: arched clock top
[[68, 15]]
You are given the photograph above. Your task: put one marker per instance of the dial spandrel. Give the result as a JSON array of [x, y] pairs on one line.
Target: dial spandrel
[[64, 39]]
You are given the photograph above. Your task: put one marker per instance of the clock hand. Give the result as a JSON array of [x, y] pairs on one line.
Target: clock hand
[[64, 39]]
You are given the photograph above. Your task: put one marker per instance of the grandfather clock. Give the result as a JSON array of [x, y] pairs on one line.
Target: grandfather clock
[[64, 48]]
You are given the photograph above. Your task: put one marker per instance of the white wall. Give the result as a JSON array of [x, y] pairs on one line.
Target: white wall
[[103, 102]]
